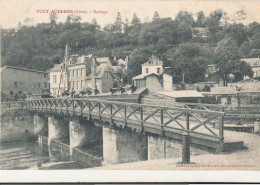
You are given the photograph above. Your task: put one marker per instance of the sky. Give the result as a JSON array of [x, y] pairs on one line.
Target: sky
[[13, 11]]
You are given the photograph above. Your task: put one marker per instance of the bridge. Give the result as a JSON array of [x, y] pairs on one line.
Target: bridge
[[137, 126]]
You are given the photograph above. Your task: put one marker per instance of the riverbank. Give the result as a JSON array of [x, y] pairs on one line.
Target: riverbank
[[246, 159]]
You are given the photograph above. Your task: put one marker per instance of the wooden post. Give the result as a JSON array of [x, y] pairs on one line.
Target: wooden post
[[186, 148], [221, 130], [142, 118], [187, 121]]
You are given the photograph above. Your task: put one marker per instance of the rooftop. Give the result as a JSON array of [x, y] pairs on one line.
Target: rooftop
[[153, 61], [23, 69], [141, 76], [182, 94]]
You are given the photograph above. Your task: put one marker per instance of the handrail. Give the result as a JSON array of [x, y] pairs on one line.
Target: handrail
[[220, 113]]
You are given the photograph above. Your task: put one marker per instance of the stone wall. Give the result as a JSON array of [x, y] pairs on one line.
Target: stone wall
[[16, 124], [164, 147]]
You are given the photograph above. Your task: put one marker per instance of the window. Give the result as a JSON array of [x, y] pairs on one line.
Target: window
[[147, 70], [15, 84], [73, 73], [81, 71], [82, 83], [11, 92], [39, 85], [54, 79], [158, 70], [229, 100], [45, 84], [69, 85]]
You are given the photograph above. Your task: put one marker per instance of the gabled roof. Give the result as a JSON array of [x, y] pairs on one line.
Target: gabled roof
[[23, 69], [153, 61], [142, 76], [57, 67], [182, 94], [98, 73]]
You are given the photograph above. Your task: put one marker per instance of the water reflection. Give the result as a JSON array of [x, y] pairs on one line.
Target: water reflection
[[28, 155]]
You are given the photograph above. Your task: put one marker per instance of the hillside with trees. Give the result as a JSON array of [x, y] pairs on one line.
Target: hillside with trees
[[41, 46]]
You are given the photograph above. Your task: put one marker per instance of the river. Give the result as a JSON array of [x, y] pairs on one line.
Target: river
[[28, 155]]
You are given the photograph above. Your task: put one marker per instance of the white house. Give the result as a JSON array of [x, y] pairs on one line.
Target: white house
[[58, 79], [153, 77]]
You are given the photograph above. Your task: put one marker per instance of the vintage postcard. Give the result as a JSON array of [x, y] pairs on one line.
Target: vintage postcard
[[130, 85]]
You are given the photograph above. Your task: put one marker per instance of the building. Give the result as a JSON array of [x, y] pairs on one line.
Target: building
[[99, 78], [172, 98], [78, 70], [213, 74], [16, 80], [200, 32], [58, 79], [153, 76], [254, 64], [153, 65]]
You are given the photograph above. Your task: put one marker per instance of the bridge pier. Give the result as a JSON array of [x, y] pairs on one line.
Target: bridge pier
[[40, 123], [123, 145], [58, 128], [161, 148], [83, 133]]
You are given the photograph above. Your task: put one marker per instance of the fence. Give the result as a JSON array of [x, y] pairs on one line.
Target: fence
[[14, 104]]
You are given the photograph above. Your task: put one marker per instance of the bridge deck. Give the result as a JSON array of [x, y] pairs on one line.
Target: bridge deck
[[204, 126]]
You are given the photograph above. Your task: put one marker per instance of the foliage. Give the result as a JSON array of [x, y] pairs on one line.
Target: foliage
[[41, 46]]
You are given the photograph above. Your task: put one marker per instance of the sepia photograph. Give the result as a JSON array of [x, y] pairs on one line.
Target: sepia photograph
[[130, 85]]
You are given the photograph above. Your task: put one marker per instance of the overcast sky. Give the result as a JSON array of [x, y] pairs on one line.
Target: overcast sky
[[13, 11]]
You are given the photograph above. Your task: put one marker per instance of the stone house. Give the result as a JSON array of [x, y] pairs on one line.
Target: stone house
[[23, 81], [100, 78]]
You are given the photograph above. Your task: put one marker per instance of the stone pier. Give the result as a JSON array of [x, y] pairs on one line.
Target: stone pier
[[83, 133], [40, 124], [163, 147], [58, 132], [123, 145]]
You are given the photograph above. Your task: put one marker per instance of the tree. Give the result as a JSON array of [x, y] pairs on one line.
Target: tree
[[245, 48], [53, 18], [239, 16], [188, 62], [135, 20], [227, 56], [118, 23], [238, 32], [201, 19], [184, 16], [156, 16], [256, 41], [184, 31], [94, 21]]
